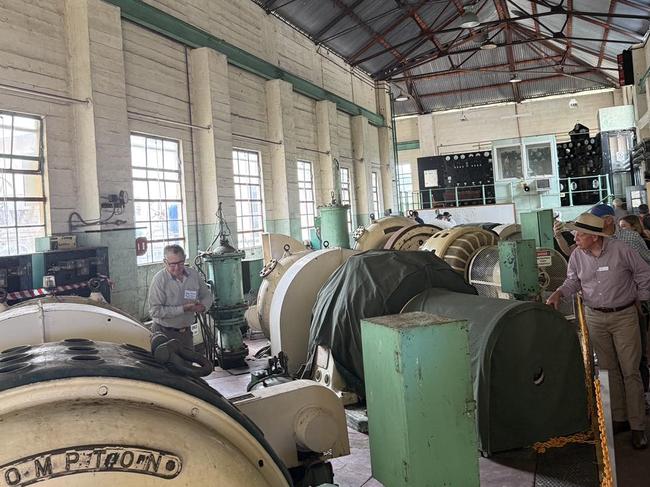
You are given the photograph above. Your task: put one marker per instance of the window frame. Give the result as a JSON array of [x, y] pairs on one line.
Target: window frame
[[38, 171], [260, 176], [304, 230], [183, 217], [376, 196], [350, 197]]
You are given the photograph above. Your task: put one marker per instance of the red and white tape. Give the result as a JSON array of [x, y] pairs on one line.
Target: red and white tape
[[34, 293]]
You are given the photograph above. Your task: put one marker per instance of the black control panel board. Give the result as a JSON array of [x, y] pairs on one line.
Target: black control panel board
[[582, 157]]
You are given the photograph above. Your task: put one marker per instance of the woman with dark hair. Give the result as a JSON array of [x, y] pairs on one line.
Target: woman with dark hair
[[632, 222]]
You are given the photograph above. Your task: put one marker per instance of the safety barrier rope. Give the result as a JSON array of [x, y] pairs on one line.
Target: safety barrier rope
[[38, 292]]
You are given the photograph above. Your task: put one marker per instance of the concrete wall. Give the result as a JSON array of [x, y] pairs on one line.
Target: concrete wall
[[83, 49]]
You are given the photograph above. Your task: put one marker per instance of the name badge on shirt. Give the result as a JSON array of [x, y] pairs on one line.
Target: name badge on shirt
[[602, 269], [192, 295]]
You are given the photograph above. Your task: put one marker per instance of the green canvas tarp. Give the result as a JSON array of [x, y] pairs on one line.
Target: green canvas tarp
[[373, 283]]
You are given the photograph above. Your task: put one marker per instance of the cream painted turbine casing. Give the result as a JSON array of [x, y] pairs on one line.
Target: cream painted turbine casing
[[50, 320], [70, 414], [375, 235], [267, 288], [304, 414], [294, 298], [274, 246]]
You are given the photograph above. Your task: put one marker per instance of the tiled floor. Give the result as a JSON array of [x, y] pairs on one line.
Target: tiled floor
[[511, 469]]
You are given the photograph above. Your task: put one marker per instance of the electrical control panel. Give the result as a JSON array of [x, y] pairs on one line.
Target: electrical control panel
[[72, 266], [467, 178], [15, 273], [582, 157]]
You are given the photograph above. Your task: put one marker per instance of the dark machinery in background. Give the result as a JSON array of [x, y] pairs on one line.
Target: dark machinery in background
[[582, 156], [456, 177], [68, 271]]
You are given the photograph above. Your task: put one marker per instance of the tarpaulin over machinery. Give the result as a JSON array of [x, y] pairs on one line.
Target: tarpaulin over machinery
[[373, 283], [529, 382]]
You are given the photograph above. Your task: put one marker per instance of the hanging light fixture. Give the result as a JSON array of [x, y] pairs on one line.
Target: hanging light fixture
[[515, 79], [469, 19], [401, 96]]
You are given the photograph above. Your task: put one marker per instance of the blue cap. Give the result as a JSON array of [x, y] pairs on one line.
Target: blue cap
[[602, 210]]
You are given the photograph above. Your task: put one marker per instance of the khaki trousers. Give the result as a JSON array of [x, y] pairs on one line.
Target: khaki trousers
[[616, 339]]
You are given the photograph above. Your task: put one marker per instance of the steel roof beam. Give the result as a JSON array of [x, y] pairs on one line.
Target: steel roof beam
[[500, 85], [601, 54], [334, 21], [572, 57], [504, 14]]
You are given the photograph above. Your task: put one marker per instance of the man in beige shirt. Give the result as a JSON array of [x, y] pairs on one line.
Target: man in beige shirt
[[176, 293]]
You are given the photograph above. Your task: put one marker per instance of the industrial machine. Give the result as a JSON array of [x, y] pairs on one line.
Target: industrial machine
[[274, 246], [271, 274], [109, 408], [333, 227], [411, 237], [223, 272], [15, 273], [70, 267], [53, 319], [456, 245], [375, 235], [508, 231], [484, 271], [293, 299]]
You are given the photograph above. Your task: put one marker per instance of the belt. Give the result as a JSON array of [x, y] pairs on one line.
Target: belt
[[614, 310], [180, 330]]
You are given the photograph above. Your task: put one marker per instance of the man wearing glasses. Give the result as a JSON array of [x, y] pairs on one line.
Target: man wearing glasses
[[175, 294]]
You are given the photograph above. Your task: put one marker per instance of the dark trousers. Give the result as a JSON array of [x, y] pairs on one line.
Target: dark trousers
[[184, 336]]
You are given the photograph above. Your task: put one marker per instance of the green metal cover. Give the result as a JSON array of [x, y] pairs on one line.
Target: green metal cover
[[419, 400], [518, 267], [334, 226], [156, 20], [226, 274], [538, 225]]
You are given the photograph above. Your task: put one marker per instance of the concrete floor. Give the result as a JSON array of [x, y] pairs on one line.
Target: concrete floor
[[509, 469]]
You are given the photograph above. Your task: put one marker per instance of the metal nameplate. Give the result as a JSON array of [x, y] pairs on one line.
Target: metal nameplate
[[87, 459]]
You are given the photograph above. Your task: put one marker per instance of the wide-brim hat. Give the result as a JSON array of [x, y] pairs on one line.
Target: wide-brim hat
[[588, 223]]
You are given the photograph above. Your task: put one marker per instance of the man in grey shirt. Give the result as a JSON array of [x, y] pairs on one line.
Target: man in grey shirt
[[175, 294], [613, 279]]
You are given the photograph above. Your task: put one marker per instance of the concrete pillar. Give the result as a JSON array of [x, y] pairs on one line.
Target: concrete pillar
[[209, 88], [328, 145], [427, 135], [281, 127], [386, 153], [101, 143], [362, 169]]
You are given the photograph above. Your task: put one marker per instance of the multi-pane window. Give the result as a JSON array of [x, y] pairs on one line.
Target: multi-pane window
[[157, 194], [22, 203], [405, 184], [248, 198], [376, 208], [306, 197], [346, 198]]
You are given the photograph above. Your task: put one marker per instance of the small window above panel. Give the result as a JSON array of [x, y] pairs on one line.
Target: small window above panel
[[509, 162]]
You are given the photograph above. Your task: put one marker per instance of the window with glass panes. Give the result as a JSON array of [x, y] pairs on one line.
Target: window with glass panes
[[248, 198], [306, 197], [376, 207], [22, 202], [157, 194], [405, 183], [346, 195]]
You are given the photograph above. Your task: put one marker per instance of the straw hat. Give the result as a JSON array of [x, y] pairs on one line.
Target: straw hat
[[588, 223]]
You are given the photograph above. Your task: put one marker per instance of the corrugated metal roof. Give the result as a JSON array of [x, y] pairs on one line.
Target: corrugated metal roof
[[418, 45]]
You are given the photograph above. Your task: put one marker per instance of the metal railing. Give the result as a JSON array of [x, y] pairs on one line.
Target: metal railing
[[482, 194], [486, 194]]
